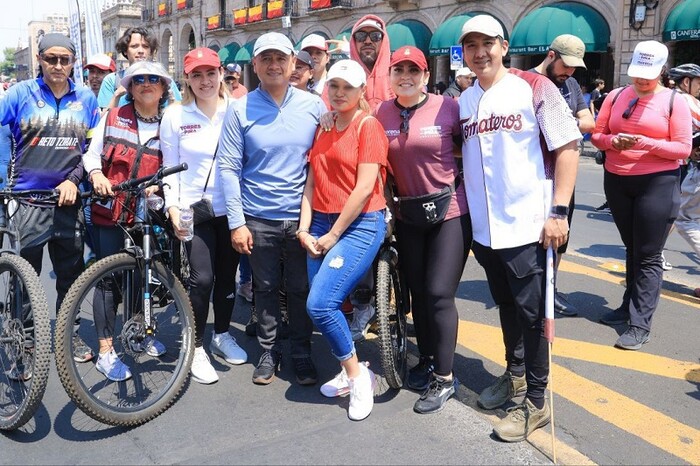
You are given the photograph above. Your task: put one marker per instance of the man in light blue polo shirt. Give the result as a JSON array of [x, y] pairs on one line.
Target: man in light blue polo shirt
[[262, 164]]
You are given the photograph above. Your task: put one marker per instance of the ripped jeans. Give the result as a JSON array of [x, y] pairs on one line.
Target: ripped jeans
[[333, 276]]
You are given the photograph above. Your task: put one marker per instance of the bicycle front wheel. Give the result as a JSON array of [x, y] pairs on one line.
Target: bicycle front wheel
[[391, 318], [25, 341], [114, 285]]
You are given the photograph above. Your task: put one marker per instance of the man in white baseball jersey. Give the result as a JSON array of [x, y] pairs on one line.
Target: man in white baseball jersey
[[519, 140]]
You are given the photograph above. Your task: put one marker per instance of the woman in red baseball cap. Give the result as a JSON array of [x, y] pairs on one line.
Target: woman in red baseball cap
[[423, 130], [189, 133]]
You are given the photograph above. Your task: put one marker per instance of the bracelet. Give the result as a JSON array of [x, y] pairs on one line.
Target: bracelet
[[300, 231], [560, 210]]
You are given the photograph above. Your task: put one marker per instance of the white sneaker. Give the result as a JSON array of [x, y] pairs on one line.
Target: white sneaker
[[202, 371], [360, 321], [224, 345], [246, 290], [361, 394], [338, 385], [112, 367]]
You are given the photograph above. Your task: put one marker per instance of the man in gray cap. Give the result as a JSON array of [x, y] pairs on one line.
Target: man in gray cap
[[232, 79], [565, 54], [51, 120], [262, 163]]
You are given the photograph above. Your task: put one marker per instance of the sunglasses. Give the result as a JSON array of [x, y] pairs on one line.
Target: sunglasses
[[64, 60], [630, 108], [141, 79], [405, 114], [374, 36]]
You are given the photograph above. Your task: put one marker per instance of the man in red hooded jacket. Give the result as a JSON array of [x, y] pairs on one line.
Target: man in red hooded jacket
[[370, 47]]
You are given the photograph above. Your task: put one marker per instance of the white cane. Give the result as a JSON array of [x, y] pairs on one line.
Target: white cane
[[549, 334]]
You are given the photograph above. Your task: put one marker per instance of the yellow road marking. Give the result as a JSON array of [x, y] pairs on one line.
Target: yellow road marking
[[652, 426], [618, 278]]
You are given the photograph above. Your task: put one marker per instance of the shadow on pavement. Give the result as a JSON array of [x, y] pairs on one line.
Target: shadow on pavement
[[35, 430]]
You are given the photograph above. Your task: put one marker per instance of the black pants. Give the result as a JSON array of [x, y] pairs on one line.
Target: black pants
[[644, 208], [432, 260], [516, 278], [213, 264]]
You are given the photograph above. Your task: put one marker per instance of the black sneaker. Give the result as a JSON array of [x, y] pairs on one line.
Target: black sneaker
[[420, 374], [305, 371], [563, 307], [267, 367], [617, 317], [633, 338], [434, 398], [81, 351]]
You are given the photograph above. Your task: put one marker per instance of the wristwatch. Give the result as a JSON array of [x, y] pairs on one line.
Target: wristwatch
[[560, 212], [300, 231]]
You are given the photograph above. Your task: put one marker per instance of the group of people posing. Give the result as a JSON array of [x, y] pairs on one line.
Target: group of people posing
[[296, 177]]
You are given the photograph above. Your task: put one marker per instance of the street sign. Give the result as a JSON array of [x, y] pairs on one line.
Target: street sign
[[456, 57]]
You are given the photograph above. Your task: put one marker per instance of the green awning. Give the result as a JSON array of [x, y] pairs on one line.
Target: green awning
[[684, 22], [447, 34], [535, 32], [228, 53], [245, 53], [409, 32]]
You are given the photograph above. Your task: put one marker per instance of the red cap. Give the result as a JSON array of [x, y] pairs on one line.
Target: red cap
[[201, 56], [409, 53], [101, 61]]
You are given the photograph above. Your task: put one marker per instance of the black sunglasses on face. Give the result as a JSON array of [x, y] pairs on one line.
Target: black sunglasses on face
[[141, 79], [374, 36], [630, 108], [52, 60], [405, 113]]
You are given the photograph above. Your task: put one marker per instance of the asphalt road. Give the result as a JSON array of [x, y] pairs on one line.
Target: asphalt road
[[611, 406]]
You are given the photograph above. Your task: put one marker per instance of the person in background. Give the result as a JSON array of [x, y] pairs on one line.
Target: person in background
[[341, 225], [596, 87], [464, 77], [370, 48], [302, 76], [51, 121], [232, 80], [315, 45], [99, 66], [565, 54], [643, 133], [189, 134], [136, 44], [422, 129], [508, 171], [132, 132], [263, 181]]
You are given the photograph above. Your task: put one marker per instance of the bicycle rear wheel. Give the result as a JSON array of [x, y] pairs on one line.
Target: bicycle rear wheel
[[391, 317], [25, 341], [155, 381]]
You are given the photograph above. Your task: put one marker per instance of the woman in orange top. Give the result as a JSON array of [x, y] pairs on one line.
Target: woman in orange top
[[342, 223]]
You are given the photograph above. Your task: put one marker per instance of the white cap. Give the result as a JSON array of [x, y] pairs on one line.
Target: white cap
[[273, 41], [369, 23], [102, 61], [464, 72], [485, 24], [648, 60], [348, 70], [316, 41]]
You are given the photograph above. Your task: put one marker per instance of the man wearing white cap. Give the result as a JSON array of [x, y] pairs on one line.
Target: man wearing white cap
[[519, 138], [262, 161], [464, 77], [565, 54], [232, 79], [99, 66], [316, 46]]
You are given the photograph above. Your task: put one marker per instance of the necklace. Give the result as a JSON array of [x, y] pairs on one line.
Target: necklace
[[152, 119]]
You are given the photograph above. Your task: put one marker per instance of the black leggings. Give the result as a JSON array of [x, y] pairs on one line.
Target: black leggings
[[432, 260], [644, 208], [213, 264]]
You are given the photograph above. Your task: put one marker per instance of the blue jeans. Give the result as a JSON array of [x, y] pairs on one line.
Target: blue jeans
[[275, 241], [334, 276]]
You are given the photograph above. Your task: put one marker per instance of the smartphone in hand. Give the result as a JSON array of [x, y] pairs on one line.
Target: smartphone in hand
[[627, 136]]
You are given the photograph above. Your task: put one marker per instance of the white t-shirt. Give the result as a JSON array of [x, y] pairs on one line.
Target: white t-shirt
[[507, 166], [188, 135]]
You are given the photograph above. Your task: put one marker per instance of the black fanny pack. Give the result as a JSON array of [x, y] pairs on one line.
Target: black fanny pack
[[428, 209]]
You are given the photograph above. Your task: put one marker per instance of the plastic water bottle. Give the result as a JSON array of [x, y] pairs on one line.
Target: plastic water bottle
[[155, 202], [187, 222]]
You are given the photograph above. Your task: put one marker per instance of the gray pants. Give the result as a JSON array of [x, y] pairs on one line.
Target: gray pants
[[688, 221]]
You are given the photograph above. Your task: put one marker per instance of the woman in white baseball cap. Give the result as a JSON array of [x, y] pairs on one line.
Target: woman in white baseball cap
[[644, 130], [342, 224]]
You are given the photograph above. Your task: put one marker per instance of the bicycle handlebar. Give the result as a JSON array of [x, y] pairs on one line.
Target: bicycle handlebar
[[151, 179]]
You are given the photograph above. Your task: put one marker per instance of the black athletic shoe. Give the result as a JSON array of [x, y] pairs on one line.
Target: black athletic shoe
[[563, 307], [267, 367], [617, 317], [305, 371], [434, 398], [420, 374]]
